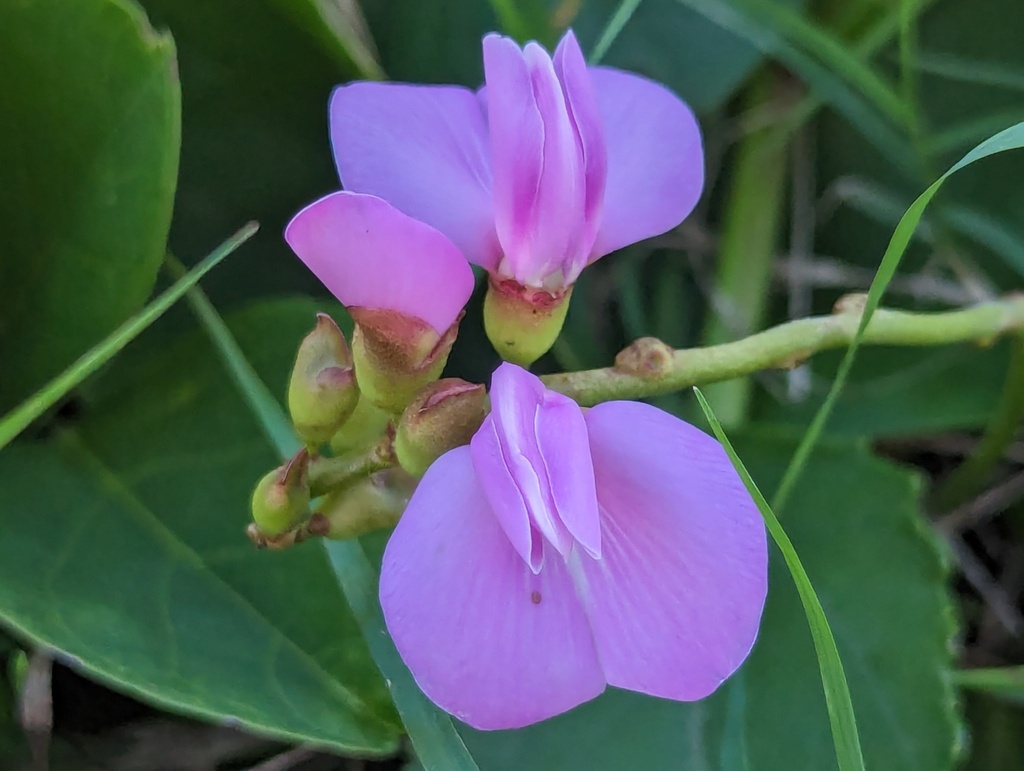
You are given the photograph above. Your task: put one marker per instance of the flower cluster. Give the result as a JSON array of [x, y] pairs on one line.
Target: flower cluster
[[547, 551]]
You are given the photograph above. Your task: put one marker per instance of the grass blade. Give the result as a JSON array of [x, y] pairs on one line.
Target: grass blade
[[834, 72], [611, 31], [438, 745], [19, 419], [1009, 139], [833, 678]]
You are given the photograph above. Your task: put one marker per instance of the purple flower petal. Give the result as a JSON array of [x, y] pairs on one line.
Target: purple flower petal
[[370, 255], [655, 159], [581, 101], [485, 638], [425, 150], [676, 598], [565, 451], [538, 171]]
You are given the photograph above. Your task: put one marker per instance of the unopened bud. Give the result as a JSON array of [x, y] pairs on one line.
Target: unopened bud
[[523, 323], [364, 428], [396, 355], [281, 499], [372, 503], [444, 415], [322, 392]]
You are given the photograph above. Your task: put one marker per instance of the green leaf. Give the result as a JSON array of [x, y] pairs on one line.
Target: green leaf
[[431, 730], [14, 423], [340, 27], [857, 527], [254, 136], [124, 548], [1010, 139], [89, 130], [833, 678]]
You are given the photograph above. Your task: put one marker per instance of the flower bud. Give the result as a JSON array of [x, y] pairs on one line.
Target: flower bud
[[281, 498], [521, 322], [363, 429], [322, 392], [396, 355], [444, 415], [372, 503]]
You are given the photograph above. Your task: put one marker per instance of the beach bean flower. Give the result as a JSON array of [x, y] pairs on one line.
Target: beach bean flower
[[562, 551], [404, 283], [548, 167]]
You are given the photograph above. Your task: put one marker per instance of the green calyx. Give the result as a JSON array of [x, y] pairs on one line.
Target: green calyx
[[523, 323]]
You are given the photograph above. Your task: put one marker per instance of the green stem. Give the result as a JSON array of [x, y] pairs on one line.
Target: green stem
[[1000, 431], [327, 474], [748, 244], [660, 370]]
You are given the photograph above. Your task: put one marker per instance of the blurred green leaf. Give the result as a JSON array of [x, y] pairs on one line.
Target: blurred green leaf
[[254, 136], [830, 69], [89, 134], [341, 28], [997, 734], [857, 528], [125, 549], [700, 60], [435, 42]]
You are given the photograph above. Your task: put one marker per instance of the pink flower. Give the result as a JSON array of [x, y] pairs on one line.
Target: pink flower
[[564, 551], [404, 283], [550, 166], [371, 256]]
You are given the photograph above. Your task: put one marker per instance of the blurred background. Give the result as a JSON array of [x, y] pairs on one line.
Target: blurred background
[[139, 630]]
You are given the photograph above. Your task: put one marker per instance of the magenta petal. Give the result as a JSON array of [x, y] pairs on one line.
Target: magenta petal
[[565, 450], [370, 255], [655, 159], [538, 174], [486, 639], [676, 599], [587, 121], [425, 150]]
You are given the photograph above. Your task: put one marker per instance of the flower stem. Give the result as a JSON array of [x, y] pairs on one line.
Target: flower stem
[[327, 474], [647, 368]]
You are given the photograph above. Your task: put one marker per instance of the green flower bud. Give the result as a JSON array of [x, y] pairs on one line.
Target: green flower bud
[[322, 392], [364, 428], [372, 503], [444, 415], [523, 323], [281, 498], [396, 355]]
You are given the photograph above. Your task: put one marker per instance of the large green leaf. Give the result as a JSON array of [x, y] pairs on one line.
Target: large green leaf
[[89, 129], [254, 135], [856, 526], [124, 548]]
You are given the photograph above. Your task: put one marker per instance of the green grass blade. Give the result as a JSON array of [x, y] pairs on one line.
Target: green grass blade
[[19, 419], [438, 745], [833, 678], [615, 24], [1005, 682], [1009, 139], [832, 71]]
